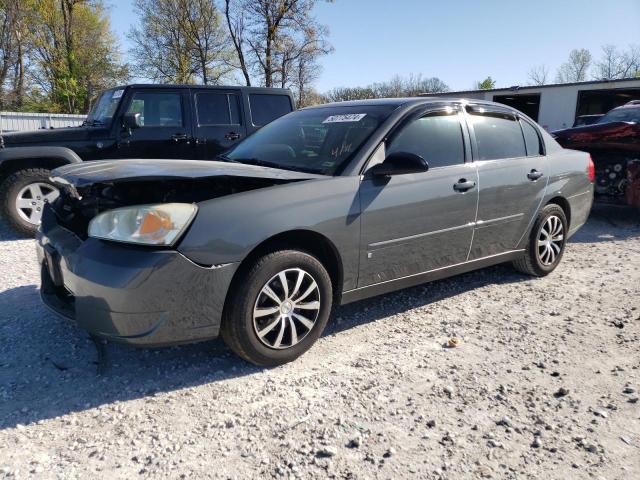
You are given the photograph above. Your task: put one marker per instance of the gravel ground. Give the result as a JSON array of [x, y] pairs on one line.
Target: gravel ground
[[544, 383]]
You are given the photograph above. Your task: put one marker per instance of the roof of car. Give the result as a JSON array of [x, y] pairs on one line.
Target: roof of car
[[397, 102], [281, 91]]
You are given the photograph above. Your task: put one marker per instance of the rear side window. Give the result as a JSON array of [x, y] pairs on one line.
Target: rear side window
[[157, 109], [217, 109], [436, 137], [531, 139], [266, 108], [498, 135]]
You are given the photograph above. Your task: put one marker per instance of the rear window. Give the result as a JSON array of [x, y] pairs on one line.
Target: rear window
[[498, 135], [217, 109], [266, 108], [531, 139]]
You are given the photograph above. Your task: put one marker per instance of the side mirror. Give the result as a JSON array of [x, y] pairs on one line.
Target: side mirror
[[400, 163], [131, 120]]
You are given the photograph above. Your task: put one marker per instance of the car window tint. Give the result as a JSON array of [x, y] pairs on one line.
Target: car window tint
[[265, 108], [531, 139], [157, 109], [498, 135], [436, 137], [217, 109]]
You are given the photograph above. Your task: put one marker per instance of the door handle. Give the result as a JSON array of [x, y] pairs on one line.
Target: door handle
[[176, 137], [534, 175], [232, 136], [463, 185]]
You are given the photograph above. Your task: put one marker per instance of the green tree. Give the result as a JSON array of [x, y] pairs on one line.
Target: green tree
[[486, 84], [74, 54]]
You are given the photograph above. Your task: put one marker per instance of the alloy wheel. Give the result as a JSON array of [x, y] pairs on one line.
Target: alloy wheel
[[550, 240], [31, 200], [286, 309]]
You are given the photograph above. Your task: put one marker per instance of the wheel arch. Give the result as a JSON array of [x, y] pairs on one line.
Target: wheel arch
[[563, 203], [14, 159], [307, 241]]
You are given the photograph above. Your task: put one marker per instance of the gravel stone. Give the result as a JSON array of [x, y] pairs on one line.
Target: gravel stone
[[376, 397]]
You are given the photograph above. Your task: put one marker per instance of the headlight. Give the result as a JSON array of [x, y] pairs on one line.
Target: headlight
[[160, 224]]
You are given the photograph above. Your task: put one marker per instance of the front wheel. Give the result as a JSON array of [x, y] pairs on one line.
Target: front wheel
[[546, 242], [23, 196], [278, 308]]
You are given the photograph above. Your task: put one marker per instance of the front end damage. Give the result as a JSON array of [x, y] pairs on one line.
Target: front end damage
[[142, 295]]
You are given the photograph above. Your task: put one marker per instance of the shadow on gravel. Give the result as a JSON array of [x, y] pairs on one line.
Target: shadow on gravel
[[48, 367], [377, 308], [609, 223], [7, 233]]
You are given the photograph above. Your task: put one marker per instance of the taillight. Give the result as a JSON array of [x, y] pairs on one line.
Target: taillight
[[591, 171]]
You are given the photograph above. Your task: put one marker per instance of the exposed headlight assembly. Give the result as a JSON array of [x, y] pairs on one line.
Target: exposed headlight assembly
[[160, 224]]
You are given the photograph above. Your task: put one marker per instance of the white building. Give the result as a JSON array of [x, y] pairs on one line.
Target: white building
[[21, 121], [557, 106]]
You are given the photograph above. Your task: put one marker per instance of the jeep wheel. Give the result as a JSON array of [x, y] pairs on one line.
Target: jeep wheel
[[23, 196]]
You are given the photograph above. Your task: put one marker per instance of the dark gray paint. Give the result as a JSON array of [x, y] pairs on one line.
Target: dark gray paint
[[389, 233]]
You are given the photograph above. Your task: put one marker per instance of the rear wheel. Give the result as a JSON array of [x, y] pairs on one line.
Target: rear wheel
[[23, 196], [546, 242], [278, 308]]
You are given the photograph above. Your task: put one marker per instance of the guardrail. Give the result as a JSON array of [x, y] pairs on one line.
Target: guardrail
[[23, 121]]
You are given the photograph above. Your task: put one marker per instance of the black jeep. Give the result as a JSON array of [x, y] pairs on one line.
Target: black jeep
[[134, 121]]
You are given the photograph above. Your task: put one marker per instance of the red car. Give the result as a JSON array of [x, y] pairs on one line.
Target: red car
[[614, 144]]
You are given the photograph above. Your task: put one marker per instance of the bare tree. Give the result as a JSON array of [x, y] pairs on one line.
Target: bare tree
[[396, 87], [576, 68], [235, 15], [180, 41], [538, 75], [617, 64]]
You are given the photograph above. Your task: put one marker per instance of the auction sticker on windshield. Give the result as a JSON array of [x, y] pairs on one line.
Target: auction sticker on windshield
[[117, 94], [349, 117]]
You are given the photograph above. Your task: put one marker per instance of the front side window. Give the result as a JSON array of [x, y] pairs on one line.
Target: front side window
[[157, 109], [318, 140], [436, 137], [531, 139], [217, 109], [266, 108], [498, 135]]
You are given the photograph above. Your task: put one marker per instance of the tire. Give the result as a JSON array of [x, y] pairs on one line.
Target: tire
[[22, 184], [541, 260], [268, 339]]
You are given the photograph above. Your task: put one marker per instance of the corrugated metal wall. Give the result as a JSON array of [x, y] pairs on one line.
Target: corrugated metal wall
[[21, 121]]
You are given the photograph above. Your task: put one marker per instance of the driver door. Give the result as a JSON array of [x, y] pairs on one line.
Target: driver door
[[413, 223]]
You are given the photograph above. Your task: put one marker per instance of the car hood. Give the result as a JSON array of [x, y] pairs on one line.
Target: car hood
[[112, 171], [45, 136]]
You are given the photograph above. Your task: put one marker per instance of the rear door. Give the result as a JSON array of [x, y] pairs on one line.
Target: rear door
[[166, 126], [509, 155], [418, 222], [218, 121]]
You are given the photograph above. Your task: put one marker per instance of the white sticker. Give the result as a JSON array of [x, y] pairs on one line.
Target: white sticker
[[349, 117], [117, 94]]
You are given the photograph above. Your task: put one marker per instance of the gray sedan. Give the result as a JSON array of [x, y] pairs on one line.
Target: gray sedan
[[326, 205]]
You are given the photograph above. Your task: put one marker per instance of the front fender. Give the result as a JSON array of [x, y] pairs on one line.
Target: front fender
[[227, 229], [16, 154]]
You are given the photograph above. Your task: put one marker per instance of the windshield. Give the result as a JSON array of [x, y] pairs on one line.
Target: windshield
[[621, 115], [318, 140], [105, 107]]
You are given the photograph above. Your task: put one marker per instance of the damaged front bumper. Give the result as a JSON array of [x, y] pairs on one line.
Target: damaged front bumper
[[130, 294]]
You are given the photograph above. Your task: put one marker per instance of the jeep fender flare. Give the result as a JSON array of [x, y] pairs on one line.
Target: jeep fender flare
[[13, 159]]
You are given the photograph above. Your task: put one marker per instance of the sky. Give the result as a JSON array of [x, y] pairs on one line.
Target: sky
[[459, 41]]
